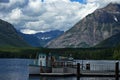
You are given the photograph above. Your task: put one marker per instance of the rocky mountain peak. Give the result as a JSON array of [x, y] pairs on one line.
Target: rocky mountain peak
[[108, 14], [94, 28], [112, 7]]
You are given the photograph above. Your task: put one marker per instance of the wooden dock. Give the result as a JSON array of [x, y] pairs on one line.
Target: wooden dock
[[89, 73], [97, 74], [54, 74], [82, 74], [85, 73], [57, 74]]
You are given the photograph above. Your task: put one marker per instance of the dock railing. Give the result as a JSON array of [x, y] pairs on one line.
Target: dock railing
[[64, 64], [87, 70], [64, 67], [99, 70]]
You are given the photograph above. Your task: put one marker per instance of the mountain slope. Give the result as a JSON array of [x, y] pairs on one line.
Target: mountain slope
[[41, 39], [110, 42], [9, 36], [94, 28]]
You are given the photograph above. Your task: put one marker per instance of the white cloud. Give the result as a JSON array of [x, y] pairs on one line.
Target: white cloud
[[38, 25], [28, 31], [103, 2], [32, 16], [33, 7], [15, 14], [87, 9]]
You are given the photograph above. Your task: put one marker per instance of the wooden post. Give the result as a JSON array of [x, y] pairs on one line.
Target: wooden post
[[87, 66], [78, 71], [117, 71]]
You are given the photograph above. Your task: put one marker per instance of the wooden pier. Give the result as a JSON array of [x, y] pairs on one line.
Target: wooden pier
[[89, 73], [84, 73], [53, 74]]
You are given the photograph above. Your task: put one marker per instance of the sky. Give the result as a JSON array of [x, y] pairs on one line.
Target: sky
[[33, 16]]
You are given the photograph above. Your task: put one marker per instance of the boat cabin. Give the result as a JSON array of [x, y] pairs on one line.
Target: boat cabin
[[53, 59], [42, 58]]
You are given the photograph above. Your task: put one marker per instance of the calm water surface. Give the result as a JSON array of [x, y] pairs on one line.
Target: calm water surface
[[17, 69], [14, 69]]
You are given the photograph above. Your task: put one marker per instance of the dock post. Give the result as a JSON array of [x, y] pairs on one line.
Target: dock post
[[87, 66], [117, 71], [78, 71]]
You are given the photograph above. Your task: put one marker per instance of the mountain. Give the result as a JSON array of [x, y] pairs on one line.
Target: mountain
[[40, 39], [110, 42], [91, 30], [9, 36]]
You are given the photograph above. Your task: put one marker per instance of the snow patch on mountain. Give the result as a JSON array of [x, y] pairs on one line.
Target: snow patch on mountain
[[45, 38], [115, 18]]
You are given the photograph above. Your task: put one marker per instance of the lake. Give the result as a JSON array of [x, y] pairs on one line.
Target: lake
[[17, 69], [14, 69]]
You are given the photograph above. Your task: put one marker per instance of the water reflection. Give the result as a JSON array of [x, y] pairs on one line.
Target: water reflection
[[14, 69]]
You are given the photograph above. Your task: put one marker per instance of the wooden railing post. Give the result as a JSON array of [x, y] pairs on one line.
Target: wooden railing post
[[78, 71], [87, 66], [117, 71]]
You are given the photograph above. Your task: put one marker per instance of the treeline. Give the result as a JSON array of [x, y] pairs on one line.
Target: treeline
[[116, 54], [87, 53], [77, 53], [17, 52], [84, 53]]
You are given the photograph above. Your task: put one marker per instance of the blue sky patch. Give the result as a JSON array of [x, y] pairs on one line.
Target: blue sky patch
[[81, 1]]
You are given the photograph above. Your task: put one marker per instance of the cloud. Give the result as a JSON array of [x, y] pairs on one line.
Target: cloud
[[32, 16], [7, 7], [28, 31], [34, 7], [4, 1], [15, 14], [103, 2]]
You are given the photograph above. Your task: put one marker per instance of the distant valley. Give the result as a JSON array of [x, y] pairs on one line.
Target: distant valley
[[9, 36], [42, 38]]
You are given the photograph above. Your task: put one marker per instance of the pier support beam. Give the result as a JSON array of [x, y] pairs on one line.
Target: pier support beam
[[117, 71], [78, 71]]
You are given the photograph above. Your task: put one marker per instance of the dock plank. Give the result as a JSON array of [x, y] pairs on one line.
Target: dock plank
[[54, 74]]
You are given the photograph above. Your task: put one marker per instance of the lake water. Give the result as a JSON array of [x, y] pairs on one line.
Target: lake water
[[17, 69], [14, 69]]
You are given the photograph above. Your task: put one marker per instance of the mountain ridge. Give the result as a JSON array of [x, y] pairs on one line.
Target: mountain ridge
[[91, 30], [113, 41], [9, 36]]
